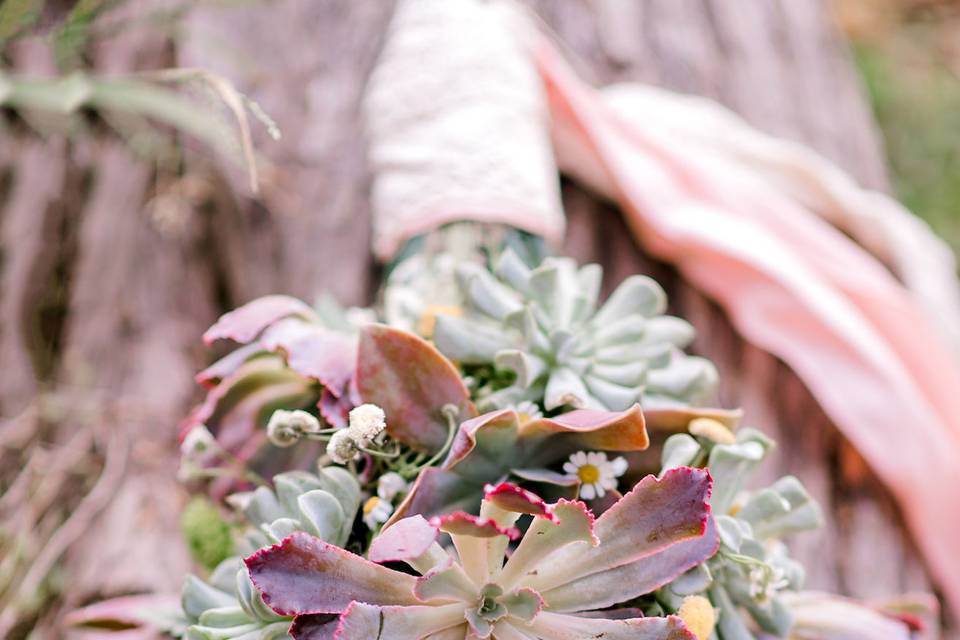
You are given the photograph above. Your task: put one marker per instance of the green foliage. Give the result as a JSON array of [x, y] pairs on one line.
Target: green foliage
[[208, 536], [916, 99]]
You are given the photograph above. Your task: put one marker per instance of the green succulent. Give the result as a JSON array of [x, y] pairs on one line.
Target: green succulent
[[323, 505], [227, 606], [752, 565], [543, 326]]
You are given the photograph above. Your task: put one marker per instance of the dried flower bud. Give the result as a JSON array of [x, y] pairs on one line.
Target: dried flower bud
[[197, 442], [342, 448], [286, 427], [366, 423]]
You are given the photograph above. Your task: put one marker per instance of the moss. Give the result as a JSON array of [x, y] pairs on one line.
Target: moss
[[208, 536]]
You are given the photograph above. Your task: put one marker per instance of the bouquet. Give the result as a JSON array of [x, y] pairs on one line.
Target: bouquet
[[470, 460]]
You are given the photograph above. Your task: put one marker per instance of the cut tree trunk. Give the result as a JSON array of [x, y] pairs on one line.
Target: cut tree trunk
[[137, 299]]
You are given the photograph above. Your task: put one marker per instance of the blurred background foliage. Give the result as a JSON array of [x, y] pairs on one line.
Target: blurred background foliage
[[908, 52]]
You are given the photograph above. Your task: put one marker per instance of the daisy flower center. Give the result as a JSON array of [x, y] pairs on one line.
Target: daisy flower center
[[588, 474], [370, 505]]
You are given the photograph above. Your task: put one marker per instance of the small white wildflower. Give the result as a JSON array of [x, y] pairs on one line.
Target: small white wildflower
[[367, 422], [528, 411], [342, 448], [390, 485], [596, 474], [198, 441], [376, 511]]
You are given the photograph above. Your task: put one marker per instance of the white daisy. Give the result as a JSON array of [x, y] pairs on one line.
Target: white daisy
[[596, 474], [390, 485], [528, 411], [376, 511]]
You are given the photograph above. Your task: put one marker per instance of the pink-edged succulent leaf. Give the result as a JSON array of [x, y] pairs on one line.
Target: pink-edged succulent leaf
[[554, 438], [239, 406], [558, 626], [570, 522], [227, 365], [510, 497], [315, 626], [135, 612], [315, 352], [412, 382], [305, 575], [676, 419], [245, 323], [651, 518], [409, 538], [460, 523], [491, 445], [609, 587], [830, 617], [436, 492], [364, 621]]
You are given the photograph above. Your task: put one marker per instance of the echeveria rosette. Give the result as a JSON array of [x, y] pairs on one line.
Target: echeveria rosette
[[752, 568], [559, 583], [544, 326]]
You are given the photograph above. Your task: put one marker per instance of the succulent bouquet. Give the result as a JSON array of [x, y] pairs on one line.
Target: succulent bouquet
[[468, 469]]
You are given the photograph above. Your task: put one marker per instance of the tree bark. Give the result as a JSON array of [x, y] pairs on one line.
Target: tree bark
[[137, 299]]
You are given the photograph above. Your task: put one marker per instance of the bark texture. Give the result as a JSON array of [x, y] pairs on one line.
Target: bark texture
[[126, 299]]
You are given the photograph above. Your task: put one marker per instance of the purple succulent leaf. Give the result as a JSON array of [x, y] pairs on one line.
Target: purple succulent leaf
[[484, 447], [363, 621], [315, 626], [305, 575], [550, 439], [558, 626], [126, 611], [245, 323], [227, 365], [653, 516], [412, 382], [510, 497], [241, 402], [313, 351], [546, 476], [606, 588], [436, 492], [407, 539]]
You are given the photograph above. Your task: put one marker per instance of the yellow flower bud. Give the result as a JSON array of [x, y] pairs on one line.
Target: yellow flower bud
[[712, 430], [699, 616]]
